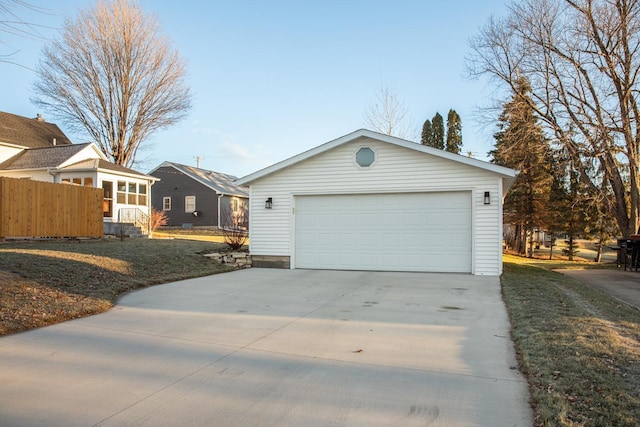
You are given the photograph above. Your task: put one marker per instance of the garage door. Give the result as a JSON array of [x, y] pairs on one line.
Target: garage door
[[392, 232]]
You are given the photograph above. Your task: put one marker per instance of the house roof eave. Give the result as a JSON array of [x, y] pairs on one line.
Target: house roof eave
[[196, 178], [365, 133]]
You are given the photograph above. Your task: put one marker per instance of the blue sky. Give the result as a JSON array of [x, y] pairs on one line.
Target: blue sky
[[274, 78]]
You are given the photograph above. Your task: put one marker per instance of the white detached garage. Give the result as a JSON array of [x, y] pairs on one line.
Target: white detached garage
[[368, 201]]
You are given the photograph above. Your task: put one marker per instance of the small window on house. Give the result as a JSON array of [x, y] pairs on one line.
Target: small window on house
[[365, 157], [234, 205], [132, 197], [66, 180], [121, 196], [77, 181], [166, 203], [88, 182], [189, 204], [142, 194]]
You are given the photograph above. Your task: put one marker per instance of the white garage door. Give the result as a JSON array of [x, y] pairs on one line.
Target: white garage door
[[393, 232]]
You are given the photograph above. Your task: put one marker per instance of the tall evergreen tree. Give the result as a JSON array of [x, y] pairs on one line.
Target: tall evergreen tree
[[437, 133], [454, 132], [520, 144], [558, 200], [575, 214], [427, 132]]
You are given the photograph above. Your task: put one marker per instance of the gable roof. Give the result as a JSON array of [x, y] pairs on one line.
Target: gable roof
[[43, 157], [29, 133], [221, 183], [507, 174], [101, 164]]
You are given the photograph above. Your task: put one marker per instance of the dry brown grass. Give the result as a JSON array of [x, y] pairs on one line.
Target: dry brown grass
[[44, 282], [579, 348]]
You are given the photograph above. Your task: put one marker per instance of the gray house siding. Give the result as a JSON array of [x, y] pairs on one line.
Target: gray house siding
[[231, 219], [177, 185]]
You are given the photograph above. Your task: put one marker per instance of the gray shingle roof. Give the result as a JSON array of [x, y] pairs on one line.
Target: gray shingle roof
[[222, 183], [42, 158], [29, 133]]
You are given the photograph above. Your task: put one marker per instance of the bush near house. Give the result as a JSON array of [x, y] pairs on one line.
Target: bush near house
[[158, 219]]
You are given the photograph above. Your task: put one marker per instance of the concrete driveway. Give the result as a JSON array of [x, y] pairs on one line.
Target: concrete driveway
[[263, 347]]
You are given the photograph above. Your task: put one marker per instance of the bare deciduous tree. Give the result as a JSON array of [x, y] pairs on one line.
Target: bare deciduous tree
[[12, 23], [581, 58], [114, 76], [388, 115]]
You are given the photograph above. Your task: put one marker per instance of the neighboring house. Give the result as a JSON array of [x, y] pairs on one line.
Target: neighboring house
[[198, 197], [35, 149], [368, 201]]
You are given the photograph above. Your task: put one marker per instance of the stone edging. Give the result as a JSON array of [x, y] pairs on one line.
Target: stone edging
[[235, 259]]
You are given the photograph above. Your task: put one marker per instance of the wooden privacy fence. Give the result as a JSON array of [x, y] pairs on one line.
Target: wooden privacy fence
[[42, 209]]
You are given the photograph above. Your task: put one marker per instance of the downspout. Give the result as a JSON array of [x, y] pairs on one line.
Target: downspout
[[219, 201], [54, 173], [150, 230]]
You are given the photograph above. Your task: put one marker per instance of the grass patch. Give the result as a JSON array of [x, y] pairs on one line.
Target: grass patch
[[45, 282], [578, 348]]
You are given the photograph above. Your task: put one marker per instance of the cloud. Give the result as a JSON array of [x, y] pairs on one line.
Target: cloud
[[199, 128]]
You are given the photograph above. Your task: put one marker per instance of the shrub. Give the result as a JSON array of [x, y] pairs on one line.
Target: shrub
[[158, 219]]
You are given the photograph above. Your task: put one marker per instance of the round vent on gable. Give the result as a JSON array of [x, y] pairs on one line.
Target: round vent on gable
[[365, 157]]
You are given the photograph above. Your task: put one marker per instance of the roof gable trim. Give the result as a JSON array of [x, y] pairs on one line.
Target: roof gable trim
[[184, 169], [364, 133]]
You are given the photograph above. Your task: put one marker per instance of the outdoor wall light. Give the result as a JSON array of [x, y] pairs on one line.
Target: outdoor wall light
[[487, 198], [269, 203]]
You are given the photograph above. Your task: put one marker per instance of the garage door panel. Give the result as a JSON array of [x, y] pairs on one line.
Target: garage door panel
[[368, 219], [326, 241], [396, 232], [391, 240], [369, 239]]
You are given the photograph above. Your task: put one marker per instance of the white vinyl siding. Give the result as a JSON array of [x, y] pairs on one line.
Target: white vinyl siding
[[396, 169]]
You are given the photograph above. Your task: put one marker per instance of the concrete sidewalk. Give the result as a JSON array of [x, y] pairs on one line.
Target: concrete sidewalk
[[264, 347], [620, 284]]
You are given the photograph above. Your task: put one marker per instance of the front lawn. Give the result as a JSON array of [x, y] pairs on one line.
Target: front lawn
[[578, 348], [45, 282]]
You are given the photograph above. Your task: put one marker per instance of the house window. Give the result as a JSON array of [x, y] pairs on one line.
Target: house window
[[365, 157], [66, 180], [189, 204], [77, 181], [142, 194], [107, 204], [132, 198], [166, 203], [234, 205], [88, 182], [121, 196]]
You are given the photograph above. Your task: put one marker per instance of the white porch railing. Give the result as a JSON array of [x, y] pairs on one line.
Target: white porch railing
[[136, 217]]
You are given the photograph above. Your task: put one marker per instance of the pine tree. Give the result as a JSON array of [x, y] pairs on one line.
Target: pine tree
[[454, 132], [575, 214], [558, 201], [520, 144], [437, 134], [427, 132]]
